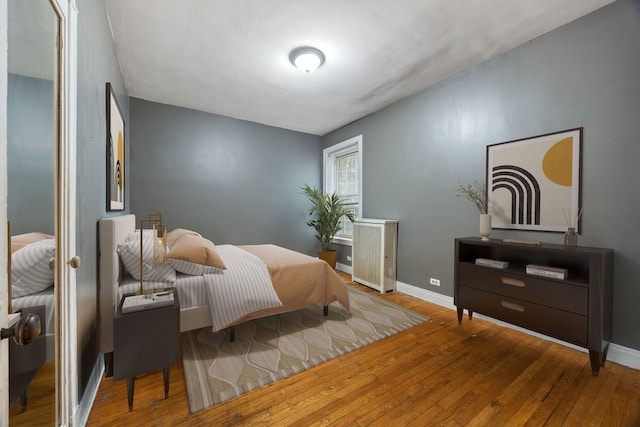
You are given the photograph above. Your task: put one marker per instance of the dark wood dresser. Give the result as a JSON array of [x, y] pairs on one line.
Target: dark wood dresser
[[576, 309]]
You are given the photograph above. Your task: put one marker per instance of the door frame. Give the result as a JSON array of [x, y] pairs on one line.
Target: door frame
[[66, 351], [65, 221]]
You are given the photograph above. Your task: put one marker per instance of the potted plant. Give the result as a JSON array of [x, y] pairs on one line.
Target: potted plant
[[326, 211]]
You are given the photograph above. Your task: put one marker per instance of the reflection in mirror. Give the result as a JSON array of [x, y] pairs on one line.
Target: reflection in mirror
[[31, 144]]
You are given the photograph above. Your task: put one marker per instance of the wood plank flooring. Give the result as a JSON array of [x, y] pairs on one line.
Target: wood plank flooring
[[41, 401], [437, 373]]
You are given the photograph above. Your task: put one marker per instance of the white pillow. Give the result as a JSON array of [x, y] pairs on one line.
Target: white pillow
[[135, 235], [30, 271], [130, 255]]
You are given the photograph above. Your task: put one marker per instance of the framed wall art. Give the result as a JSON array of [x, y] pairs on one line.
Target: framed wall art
[[534, 183], [115, 153]]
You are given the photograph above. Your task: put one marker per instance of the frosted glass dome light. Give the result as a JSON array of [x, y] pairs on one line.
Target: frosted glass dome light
[[306, 59]]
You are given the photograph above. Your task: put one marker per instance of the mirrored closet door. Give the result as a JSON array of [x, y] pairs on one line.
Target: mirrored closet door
[[32, 138]]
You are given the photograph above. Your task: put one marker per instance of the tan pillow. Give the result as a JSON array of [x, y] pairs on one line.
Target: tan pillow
[[21, 240], [195, 255], [174, 235]]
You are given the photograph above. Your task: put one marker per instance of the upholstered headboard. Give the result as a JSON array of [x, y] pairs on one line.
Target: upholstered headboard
[[112, 232]]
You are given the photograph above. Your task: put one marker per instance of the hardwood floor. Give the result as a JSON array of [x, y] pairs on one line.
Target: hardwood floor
[[437, 373], [41, 401]]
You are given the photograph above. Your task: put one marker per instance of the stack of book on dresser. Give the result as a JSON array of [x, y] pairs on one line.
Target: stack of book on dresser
[[551, 272], [492, 263]]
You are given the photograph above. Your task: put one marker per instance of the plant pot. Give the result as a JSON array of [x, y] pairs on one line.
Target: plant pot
[[329, 257]]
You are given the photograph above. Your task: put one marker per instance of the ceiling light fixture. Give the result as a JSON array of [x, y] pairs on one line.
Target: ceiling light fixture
[[306, 58]]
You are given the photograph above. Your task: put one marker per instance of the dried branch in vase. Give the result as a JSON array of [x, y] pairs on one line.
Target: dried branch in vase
[[475, 192]]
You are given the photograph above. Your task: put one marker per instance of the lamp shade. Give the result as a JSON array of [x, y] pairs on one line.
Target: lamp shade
[[306, 58]]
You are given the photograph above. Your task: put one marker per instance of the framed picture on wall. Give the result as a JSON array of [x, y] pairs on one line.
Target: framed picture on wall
[[115, 153], [534, 183]]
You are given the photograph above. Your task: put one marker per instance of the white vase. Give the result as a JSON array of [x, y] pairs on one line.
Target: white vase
[[485, 226]]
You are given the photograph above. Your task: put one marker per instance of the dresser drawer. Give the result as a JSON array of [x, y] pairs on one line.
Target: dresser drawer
[[549, 321], [550, 293]]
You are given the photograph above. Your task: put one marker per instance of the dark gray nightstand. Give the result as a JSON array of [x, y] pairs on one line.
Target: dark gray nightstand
[[26, 360], [145, 341]]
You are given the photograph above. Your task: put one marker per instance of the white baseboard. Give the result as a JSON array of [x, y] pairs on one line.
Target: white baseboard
[[81, 415], [343, 267], [619, 354]]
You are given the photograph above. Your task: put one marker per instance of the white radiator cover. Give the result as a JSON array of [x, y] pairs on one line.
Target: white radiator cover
[[375, 244]]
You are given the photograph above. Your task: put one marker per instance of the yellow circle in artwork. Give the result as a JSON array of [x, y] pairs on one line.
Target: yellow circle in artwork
[[557, 162]]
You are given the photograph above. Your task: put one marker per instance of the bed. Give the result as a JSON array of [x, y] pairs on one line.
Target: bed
[[32, 280], [32, 292], [298, 281]]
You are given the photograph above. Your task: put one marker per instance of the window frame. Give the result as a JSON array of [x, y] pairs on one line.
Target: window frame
[[329, 156]]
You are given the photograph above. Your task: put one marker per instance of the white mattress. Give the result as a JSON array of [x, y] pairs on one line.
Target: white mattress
[[45, 298], [191, 289]]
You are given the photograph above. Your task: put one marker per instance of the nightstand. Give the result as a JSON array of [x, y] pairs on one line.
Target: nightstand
[[145, 340], [26, 360]]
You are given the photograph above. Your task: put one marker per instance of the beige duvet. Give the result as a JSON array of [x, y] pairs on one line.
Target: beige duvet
[[299, 280]]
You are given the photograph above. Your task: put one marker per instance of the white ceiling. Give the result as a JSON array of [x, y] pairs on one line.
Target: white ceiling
[[231, 57]]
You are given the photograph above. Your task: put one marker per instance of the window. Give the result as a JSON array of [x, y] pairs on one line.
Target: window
[[343, 175]]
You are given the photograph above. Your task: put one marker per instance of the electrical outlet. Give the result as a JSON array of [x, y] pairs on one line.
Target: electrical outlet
[[348, 258], [434, 282]]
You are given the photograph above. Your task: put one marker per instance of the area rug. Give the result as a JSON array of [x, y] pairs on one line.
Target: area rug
[[276, 347]]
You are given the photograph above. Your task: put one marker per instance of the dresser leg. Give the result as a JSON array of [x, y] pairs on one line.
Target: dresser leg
[[461, 313], [597, 360], [595, 357]]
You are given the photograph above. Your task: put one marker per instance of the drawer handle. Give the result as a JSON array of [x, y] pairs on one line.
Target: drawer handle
[[512, 282], [512, 306]]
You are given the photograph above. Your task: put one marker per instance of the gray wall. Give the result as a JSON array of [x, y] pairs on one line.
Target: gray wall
[[30, 154], [233, 181], [97, 64], [584, 74]]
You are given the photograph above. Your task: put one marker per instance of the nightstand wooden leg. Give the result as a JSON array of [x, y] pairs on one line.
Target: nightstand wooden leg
[[108, 364], [23, 401], [165, 374], [130, 386]]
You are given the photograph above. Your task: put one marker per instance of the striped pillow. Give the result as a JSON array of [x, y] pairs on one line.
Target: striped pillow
[[30, 271], [130, 255]]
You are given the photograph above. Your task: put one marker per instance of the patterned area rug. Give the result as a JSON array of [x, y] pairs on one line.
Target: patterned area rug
[[272, 348]]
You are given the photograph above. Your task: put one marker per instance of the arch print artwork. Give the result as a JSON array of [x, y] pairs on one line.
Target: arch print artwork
[[115, 153], [534, 183]]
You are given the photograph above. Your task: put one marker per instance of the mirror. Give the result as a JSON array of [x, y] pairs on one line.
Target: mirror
[[31, 146]]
